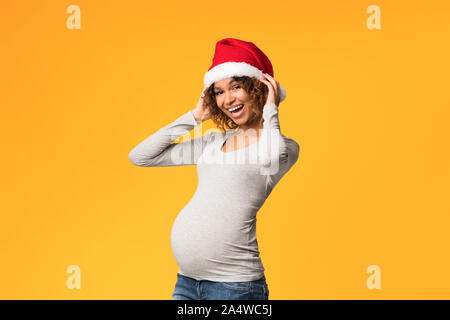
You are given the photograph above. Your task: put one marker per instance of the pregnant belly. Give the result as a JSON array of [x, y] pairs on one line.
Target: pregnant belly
[[202, 242]]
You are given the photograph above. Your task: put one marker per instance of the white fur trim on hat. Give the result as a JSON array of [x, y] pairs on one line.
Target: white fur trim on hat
[[235, 69]]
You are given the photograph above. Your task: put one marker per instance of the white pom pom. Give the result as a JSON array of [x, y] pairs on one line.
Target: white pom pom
[[282, 93]]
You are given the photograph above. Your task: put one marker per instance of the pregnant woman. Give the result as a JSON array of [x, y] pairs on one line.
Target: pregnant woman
[[213, 238]]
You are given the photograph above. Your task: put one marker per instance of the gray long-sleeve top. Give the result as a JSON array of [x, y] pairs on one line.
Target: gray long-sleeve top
[[214, 236]]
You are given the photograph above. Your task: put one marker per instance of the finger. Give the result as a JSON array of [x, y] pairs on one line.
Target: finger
[[275, 85], [269, 84], [272, 81]]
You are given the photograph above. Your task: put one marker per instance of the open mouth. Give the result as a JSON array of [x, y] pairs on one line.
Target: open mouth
[[237, 111]]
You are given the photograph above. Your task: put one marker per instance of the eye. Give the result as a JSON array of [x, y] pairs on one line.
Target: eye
[[234, 87]]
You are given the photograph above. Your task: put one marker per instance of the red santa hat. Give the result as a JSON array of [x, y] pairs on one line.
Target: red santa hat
[[235, 57]]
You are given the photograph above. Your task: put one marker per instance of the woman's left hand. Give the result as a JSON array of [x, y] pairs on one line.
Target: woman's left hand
[[274, 89]]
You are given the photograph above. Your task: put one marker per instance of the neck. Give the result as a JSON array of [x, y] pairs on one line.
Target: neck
[[250, 130], [251, 125]]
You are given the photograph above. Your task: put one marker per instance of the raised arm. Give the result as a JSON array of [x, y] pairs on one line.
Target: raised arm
[[277, 152], [159, 151]]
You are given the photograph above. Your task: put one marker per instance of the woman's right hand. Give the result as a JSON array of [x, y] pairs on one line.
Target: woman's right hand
[[201, 112]]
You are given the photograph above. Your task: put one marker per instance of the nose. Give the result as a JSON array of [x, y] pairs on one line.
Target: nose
[[229, 98]]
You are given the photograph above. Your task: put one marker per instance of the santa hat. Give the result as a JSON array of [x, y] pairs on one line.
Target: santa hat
[[235, 57]]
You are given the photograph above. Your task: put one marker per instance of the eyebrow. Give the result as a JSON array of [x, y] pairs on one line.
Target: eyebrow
[[231, 81]]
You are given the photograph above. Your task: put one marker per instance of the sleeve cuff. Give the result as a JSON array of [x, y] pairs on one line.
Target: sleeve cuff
[[270, 108], [192, 118]]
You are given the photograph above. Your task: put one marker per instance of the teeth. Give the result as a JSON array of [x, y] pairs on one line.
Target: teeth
[[232, 109]]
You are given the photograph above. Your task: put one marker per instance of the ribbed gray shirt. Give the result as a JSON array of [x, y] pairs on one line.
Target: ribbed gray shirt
[[214, 235]]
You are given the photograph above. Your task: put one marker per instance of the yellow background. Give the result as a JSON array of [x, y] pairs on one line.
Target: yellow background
[[369, 109]]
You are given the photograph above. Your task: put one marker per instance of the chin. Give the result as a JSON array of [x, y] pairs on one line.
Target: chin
[[240, 121]]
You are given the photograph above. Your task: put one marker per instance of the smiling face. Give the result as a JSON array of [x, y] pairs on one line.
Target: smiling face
[[234, 101]]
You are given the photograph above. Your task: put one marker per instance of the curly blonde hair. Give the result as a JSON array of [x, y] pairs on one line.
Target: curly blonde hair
[[255, 89]]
